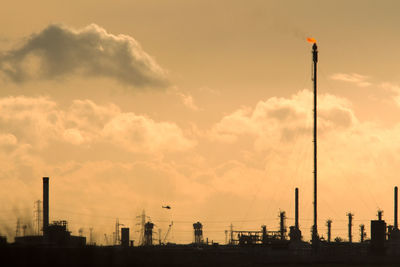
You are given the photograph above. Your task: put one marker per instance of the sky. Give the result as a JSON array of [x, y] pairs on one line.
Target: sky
[[205, 106]]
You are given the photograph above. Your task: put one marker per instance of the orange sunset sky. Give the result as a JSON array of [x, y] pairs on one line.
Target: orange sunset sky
[[205, 106]]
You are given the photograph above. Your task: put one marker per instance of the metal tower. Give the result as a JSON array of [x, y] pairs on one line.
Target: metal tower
[[142, 223], [117, 238], [198, 233], [38, 216]]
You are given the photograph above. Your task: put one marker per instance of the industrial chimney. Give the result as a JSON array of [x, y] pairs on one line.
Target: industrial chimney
[[294, 231], [396, 225], [45, 204], [296, 204], [315, 237]]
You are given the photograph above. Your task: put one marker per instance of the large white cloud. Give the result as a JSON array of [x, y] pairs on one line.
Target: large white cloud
[[282, 119], [59, 50], [140, 133], [32, 121], [39, 121]]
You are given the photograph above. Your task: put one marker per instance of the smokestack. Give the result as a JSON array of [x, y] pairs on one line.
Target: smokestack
[[282, 226], [296, 216], [380, 212], [350, 215], [45, 204], [362, 232], [329, 224], [315, 61], [396, 226]]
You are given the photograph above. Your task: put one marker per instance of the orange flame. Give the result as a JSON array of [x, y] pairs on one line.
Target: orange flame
[[311, 40]]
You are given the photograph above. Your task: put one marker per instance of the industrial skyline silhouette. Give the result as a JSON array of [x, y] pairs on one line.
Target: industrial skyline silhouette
[[199, 133]]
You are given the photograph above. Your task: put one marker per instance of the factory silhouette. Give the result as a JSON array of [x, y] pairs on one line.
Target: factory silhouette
[[55, 246]]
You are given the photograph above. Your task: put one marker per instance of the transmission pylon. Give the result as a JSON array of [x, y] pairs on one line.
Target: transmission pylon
[[38, 216]]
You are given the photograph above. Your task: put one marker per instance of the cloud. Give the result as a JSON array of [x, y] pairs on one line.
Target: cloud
[[358, 79], [394, 90], [58, 51], [32, 121], [186, 98], [8, 140], [141, 134], [188, 101], [282, 119], [39, 121]]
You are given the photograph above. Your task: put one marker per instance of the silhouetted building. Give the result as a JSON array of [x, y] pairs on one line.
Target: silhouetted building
[[148, 234], [378, 235], [57, 234], [125, 237]]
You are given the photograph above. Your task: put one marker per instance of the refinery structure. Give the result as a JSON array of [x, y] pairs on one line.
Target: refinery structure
[[54, 242], [382, 244]]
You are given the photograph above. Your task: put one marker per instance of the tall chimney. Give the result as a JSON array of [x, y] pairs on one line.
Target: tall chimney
[[350, 215], [296, 216], [329, 224], [396, 225], [282, 226], [315, 227], [45, 204]]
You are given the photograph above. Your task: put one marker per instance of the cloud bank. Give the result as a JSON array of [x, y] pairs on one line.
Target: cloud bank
[[39, 122], [59, 51], [279, 120]]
